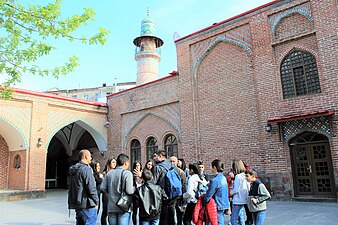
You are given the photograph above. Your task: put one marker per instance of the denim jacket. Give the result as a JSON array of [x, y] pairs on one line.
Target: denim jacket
[[218, 189]]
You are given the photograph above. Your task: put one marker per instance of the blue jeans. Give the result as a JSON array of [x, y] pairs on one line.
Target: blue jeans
[[237, 216], [151, 222], [119, 218], [86, 216], [258, 217], [220, 215]]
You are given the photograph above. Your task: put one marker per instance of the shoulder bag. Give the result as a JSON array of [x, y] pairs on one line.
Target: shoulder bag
[[125, 201]]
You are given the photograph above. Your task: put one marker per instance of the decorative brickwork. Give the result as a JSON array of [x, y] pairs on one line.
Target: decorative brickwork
[[303, 9], [59, 117], [229, 87], [32, 116], [227, 94], [149, 110], [18, 115], [240, 36]]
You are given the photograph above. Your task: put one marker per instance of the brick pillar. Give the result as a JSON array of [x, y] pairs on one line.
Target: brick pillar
[[36, 157]]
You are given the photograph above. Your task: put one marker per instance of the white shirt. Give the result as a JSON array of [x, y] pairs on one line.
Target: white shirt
[[240, 190], [192, 188]]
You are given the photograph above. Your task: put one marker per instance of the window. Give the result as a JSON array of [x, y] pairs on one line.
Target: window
[[17, 162], [135, 151], [97, 97], [86, 97], [74, 96], [151, 147], [299, 74], [170, 145]]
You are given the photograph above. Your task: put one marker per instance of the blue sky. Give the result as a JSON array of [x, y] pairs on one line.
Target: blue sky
[[102, 64]]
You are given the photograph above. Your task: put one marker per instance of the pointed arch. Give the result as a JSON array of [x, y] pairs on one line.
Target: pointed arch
[[100, 141], [213, 44], [125, 137], [304, 131], [298, 10], [13, 135]]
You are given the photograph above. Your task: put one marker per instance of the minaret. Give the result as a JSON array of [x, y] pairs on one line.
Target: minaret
[[147, 53]]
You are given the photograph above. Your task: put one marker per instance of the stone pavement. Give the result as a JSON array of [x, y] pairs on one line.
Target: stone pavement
[[53, 211]]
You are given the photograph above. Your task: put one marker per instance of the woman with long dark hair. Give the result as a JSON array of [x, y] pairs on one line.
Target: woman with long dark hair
[[137, 165], [110, 165], [149, 165], [98, 179], [182, 165]]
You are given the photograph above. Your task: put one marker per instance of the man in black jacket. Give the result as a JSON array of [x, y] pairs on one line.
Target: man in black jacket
[[168, 212], [82, 194]]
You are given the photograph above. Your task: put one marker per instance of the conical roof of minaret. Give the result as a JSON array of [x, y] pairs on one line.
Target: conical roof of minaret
[[148, 29]]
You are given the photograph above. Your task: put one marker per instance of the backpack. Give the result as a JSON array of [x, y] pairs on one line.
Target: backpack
[[201, 189], [173, 185], [149, 193]]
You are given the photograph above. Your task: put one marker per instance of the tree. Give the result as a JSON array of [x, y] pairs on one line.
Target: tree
[[24, 34]]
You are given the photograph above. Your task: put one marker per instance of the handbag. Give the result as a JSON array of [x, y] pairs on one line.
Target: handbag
[[125, 201]]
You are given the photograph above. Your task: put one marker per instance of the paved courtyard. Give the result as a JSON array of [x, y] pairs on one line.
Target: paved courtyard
[[53, 211]]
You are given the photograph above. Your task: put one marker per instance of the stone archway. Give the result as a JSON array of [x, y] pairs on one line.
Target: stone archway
[[312, 165]]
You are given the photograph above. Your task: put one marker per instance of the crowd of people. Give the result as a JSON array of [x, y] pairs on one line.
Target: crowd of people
[[166, 191]]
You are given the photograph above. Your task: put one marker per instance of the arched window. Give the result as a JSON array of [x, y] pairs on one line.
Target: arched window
[[135, 151], [151, 147], [17, 162], [299, 74], [170, 146]]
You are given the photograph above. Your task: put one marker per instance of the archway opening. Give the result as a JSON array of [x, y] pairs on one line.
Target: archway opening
[[63, 151]]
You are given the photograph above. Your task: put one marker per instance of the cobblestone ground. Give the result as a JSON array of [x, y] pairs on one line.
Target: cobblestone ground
[[53, 211]]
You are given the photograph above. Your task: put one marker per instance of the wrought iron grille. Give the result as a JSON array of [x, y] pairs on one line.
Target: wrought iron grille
[[316, 124], [299, 74]]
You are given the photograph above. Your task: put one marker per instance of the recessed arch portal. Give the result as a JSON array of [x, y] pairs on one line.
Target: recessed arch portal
[[312, 165], [63, 148]]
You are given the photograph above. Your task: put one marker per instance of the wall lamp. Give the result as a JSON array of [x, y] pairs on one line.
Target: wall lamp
[[39, 142], [107, 124], [268, 127]]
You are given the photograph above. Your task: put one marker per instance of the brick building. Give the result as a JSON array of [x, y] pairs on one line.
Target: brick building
[[40, 137], [261, 87]]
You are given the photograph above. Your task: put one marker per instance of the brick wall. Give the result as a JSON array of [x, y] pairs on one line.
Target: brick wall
[[226, 130], [4, 155], [230, 80], [150, 109]]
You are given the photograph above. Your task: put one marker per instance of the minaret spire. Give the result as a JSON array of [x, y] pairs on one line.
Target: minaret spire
[[148, 12], [147, 52]]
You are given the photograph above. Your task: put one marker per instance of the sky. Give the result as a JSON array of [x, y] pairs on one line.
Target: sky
[[115, 60]]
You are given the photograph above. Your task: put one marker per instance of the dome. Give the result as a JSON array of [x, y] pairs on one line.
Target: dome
[[148, 27]]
